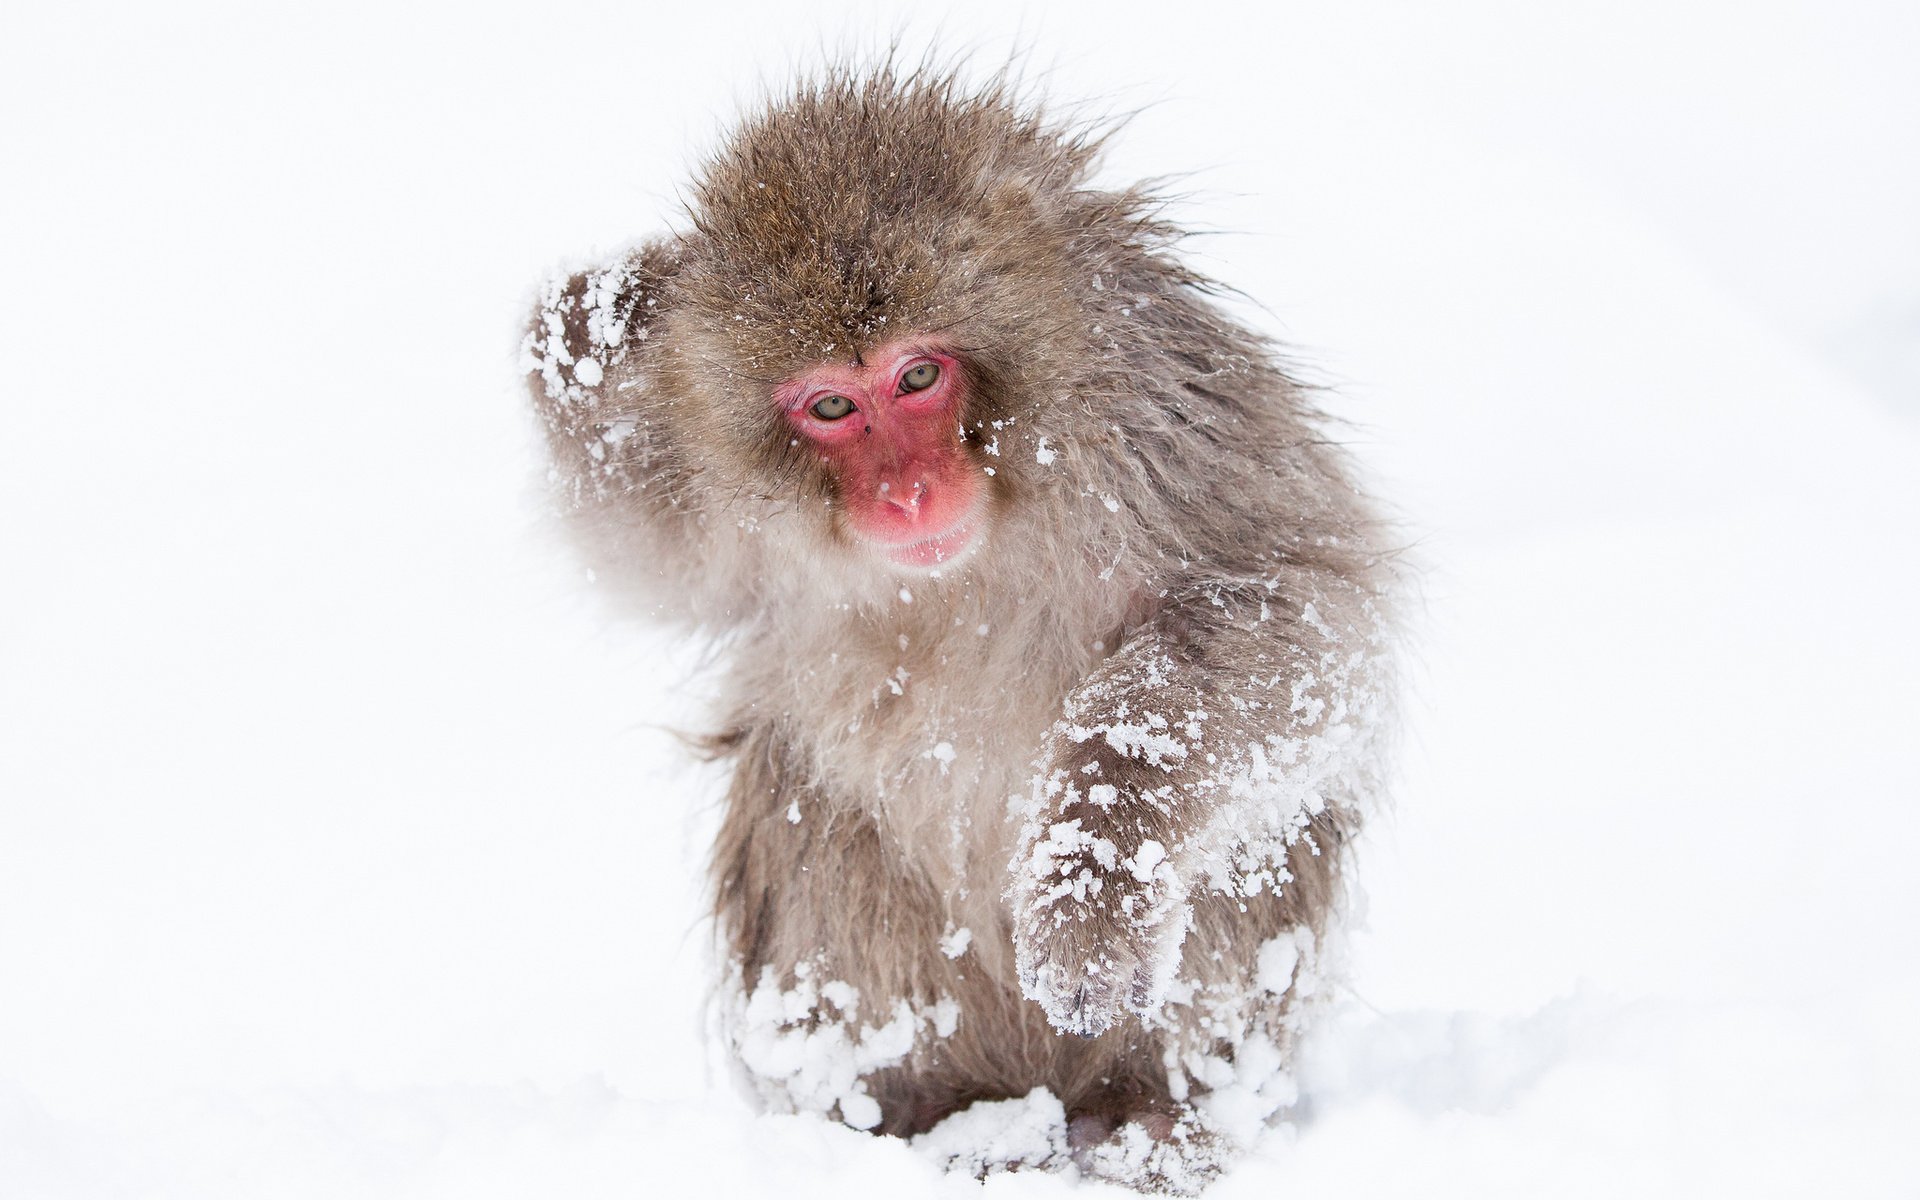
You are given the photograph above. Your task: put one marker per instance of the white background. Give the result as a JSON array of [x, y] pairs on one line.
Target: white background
[[342, 852]]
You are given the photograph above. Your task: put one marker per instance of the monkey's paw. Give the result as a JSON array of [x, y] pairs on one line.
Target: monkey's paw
[[1096, 932], [1167, 1152]]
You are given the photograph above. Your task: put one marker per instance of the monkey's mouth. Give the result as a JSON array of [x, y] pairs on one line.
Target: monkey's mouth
[[909, 544], [940, 550], [933, 552]]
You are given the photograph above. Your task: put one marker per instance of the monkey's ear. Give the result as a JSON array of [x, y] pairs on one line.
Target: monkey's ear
[[591, 322]]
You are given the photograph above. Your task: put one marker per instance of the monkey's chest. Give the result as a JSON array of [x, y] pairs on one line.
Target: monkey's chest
[[931, 747]]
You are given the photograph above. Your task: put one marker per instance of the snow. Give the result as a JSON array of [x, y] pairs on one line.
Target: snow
[[993, 1136], [1145, 859], [1279, 958], [954, 942], [345, 847], [808, 1047]]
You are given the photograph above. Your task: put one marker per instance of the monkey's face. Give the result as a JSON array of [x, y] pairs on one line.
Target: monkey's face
[[888, 435]]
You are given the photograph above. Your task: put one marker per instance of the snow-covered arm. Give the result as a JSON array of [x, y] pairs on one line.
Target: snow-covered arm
[[1195, 756], [601, 376]]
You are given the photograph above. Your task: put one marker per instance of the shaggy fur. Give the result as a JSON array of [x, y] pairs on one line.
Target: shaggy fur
[[1095, 780]]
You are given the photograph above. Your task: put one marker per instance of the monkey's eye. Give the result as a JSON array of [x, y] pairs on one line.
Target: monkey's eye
[[831, 408], [920, 378]]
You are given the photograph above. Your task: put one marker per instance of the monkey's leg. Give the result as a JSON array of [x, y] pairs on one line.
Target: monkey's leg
[[846, 1003]]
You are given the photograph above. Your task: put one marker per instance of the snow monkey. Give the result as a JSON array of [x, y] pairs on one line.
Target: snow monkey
[[1054, 631]]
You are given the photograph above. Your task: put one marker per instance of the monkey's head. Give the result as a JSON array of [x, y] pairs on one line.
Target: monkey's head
[[869, 304]]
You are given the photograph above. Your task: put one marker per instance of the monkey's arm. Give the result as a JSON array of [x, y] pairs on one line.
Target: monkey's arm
[[595, 360], [1196, 756]]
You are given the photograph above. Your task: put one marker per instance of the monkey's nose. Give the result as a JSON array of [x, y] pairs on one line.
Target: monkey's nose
[[906, 498]]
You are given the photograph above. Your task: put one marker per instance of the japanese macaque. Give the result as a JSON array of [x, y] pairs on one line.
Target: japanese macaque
[[1055, 631]]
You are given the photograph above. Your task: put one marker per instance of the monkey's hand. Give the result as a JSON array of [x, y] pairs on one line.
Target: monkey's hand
[[1099, 909]]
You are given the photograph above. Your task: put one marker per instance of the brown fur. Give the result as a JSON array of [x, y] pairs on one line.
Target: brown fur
[[1171, 540]]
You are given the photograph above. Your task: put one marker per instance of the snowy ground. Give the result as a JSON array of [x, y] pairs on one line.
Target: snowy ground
[[341, 852]]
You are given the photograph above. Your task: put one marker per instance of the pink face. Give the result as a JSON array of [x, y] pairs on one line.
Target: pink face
[[890, 433]]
